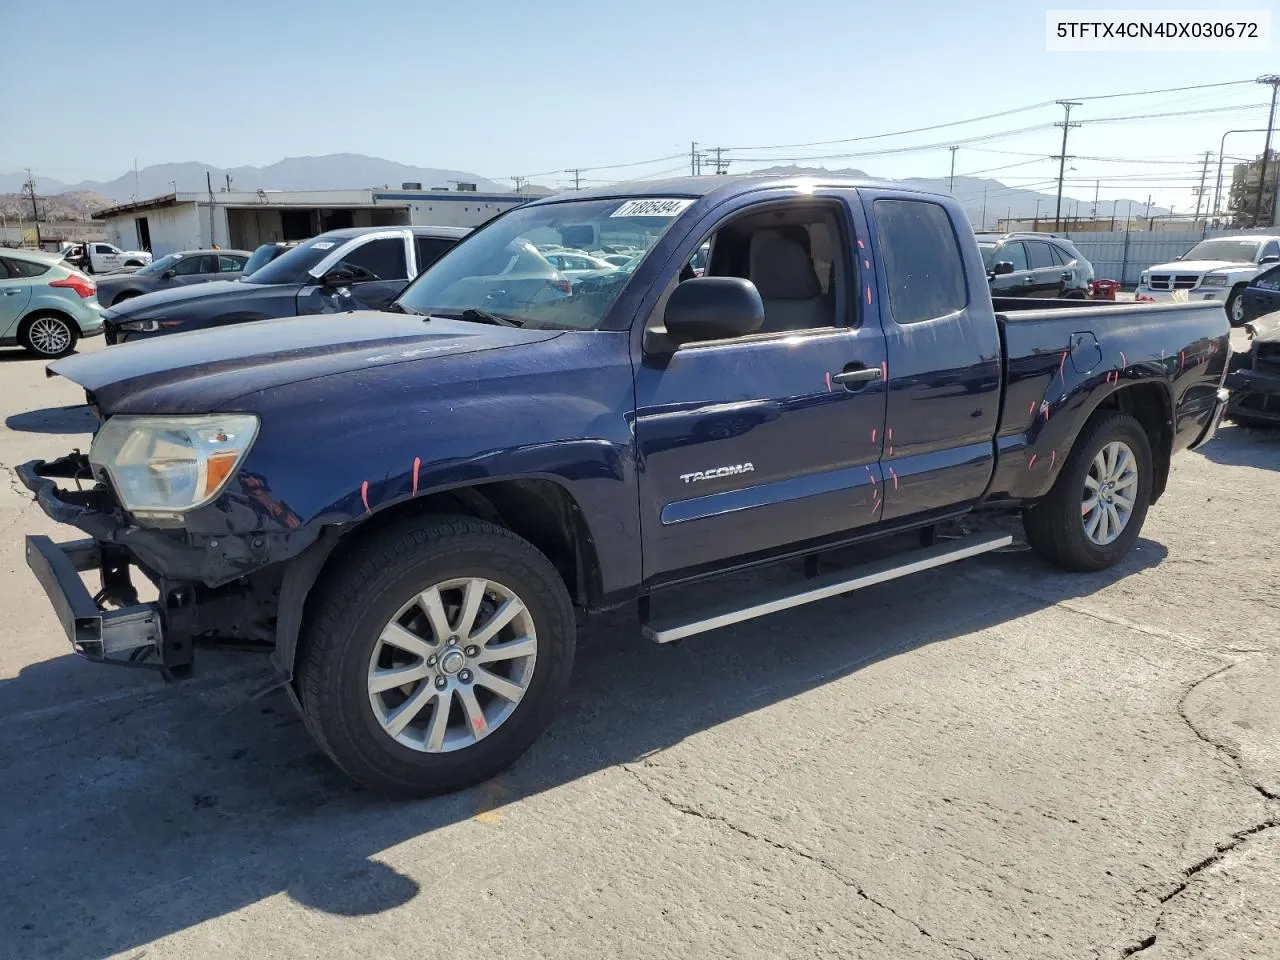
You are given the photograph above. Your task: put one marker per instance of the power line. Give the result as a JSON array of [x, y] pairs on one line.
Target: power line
[[1143, 93]]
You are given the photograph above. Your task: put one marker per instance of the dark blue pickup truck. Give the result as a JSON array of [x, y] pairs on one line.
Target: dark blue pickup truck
[[405, 507]]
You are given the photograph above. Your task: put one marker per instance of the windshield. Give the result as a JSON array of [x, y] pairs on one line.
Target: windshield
[[501, 269], [259, 259], [292, 267], [1225, 249], [988, 254], [161, 265]]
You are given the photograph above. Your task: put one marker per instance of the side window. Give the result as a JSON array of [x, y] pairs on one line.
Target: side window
[[7, 270], [230, 264], [191, 266], [19, 269], [1015, 253], [1272, 249], [1039, 254], [923, 268], [104, 248], [429, 250], [381, 259], [1057, 255], [1269, 280]]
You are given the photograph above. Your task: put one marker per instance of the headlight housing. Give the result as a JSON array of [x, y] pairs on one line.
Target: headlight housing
[[1142, 279], [148, 326], [1214, 280], [169, 465]]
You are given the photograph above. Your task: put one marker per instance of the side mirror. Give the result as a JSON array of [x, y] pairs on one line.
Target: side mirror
[[339, 277], [712, 308], [1001, 268], [1272, 258], [169, 274]]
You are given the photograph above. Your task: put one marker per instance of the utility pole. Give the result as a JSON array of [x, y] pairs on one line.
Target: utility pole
[[722, 165], [1147, 216], [1036, 227], [228, 183], [1097, 185], [519, 182], [984, 208], [1204, 172], [1066, 125], [951, 183], [1274, 81], [693, 158], [577, 177]]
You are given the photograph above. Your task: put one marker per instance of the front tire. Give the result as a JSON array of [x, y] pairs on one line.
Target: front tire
[[47, 336], [1095, 510], [438, 651], [1235, 305]]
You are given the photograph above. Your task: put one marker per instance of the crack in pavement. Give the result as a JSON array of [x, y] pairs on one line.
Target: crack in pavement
[[1232, 758], [793, 851]]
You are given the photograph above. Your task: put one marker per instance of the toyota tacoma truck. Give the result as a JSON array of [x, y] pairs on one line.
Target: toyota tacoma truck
[[404, 508]]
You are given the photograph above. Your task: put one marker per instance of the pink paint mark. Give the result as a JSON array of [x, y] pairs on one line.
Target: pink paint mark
[[364, 495], [889, 440], [1032, 462], [417, 463], [866, 264], [1182, 360], [873, 434], [1123, 362], [868, 296], [1032, 408], [1045, 409], [1053, 456], [873, 478], [1062, 365], [884, 370], [828, 381], [861, 245], [895, 478]]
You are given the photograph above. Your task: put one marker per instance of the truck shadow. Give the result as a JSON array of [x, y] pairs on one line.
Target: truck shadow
[[54, 420], [1237, 446], [155, 808]]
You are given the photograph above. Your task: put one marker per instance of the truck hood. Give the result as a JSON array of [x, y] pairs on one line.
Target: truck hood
[[204, 370], [1199, 266], [163, 301]]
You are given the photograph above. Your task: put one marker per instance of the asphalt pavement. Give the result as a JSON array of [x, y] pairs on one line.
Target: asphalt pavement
[[992, 760]]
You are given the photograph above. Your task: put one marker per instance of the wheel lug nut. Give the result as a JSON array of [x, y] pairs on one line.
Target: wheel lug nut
[[465, 676], [431, 660], [472, 651], [441, 683], [452, 641]]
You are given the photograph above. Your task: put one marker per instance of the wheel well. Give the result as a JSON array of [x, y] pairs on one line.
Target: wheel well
[[540, 511], [126, 295], [1149, 404]]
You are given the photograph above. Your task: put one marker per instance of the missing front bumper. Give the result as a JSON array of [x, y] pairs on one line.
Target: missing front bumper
[[130, 634]]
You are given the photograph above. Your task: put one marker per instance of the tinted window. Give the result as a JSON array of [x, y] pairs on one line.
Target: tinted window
[[1015, 254], [377, 260], [292, 267], [228, 264], [1272, 249], [262, 256], [1269, 280], [1058, 257], [191, 266], [430, 249], [1040, 254], [25, 268], [103, 248], [923, 267]]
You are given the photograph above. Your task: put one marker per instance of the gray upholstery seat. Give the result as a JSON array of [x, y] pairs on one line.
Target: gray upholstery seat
[[783, 272]]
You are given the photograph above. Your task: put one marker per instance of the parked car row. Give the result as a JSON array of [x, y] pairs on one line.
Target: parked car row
[[46, 305]]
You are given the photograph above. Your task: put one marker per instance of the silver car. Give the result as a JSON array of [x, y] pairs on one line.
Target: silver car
[[45, 304]]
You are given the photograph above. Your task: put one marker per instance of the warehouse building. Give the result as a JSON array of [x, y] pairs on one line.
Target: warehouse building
[[244, 219]]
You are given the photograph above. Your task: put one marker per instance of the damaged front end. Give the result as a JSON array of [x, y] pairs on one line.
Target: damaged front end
[[1254, 381], [210, 591]]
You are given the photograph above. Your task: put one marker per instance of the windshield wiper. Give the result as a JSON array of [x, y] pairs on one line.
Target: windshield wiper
[[398, 307], [473, 315]]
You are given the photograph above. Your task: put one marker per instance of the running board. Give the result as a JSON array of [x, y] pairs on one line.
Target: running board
[[824, 587]]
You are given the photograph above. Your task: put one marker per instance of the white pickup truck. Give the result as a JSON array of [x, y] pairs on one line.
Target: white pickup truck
[[1217, 269], [99, 257]]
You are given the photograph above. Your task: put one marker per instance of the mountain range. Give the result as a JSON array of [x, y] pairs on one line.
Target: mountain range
[[984, 200]]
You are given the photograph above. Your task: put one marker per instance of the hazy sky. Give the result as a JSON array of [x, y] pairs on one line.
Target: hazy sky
[[500, 88]]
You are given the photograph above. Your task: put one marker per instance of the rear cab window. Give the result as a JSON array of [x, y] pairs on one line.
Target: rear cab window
[[923, 267]]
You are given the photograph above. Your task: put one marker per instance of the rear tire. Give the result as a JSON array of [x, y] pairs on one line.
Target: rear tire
[[1057, 526], [1235, 310], [382, 609], [48, 335]]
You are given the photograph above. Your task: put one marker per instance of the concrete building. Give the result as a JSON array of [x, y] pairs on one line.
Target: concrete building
[[243, 220]]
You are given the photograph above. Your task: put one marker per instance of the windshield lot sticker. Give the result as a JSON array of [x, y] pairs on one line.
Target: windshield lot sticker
[[653, 207], [322, 245]]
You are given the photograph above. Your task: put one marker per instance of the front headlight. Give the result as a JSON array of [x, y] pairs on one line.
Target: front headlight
[[168, 465], [1214, 280], [148, 326], [1142, 279]]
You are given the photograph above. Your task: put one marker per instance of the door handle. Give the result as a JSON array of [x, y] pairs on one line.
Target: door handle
[[857, 378], [12, 293], [1028, 279]]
